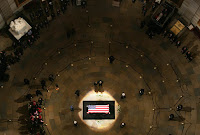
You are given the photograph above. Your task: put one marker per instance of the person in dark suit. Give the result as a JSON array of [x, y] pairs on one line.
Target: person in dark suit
[[164, 33], [40, 100], [29, 96], [51, 77], [111, 58], [190, 58], [141, 92], [122, 125], [178, 43], [95, 83], [184, 50], [38, 92], [188, 54], [26, 81], [171, 116], [179, 107], [100, 82], [77, 92], [153, 6], [43, 83]]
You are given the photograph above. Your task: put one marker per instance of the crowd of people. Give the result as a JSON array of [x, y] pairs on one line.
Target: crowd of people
[[150, 32], [9, 58], [160, 17], [35, 122], [154, 5], [49, 9], [40, 18]]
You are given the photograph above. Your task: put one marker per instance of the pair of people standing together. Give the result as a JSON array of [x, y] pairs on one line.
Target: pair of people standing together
[[100, 83]]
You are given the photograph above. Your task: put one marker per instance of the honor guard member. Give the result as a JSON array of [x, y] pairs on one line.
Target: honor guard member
[[123, 95], [100, 82], [171, 116], [77, 92], [179, 107], [141, 92], [122, 124], [75, 123]]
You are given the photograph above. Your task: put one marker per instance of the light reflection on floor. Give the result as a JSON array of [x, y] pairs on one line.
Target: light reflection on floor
[[98, 125]]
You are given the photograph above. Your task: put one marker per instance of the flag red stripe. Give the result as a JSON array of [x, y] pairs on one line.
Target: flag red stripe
[[98, 110]]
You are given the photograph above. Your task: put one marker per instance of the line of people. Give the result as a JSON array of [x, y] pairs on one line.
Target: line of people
[[40, 19], [154, 5], [36, 120], [50, 9], [173, 39], [18, 46]]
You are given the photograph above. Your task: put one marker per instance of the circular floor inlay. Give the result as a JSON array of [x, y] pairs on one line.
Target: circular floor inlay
[[99, 125]]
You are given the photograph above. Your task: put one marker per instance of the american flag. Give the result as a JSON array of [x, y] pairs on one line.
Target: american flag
[[98, 109]]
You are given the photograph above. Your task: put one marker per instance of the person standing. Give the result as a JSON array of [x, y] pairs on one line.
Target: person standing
[[83, 3], [171, 116], [141, 92], [26, 81], [170, 36], [95, 84], [179, 107], [51, 5], [51, 77], [122, 125], [133, 1], [173, 39], [188, 54], [153, 6], [38, 92], [111, 58], [63, 9], [178, 43], [75, 123], [29, 96], [164, 34], [72, 108], [190, 58], [144, 11], [57, 87], [184, 49], [123, 95], [40, 100], [58, 12], [100, 82], [43, 83], [77, 92]]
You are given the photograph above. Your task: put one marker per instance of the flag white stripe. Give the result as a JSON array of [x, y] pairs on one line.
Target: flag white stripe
[[98, 109]]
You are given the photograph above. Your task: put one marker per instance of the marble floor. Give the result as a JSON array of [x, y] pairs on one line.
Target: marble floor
[[155, 65]]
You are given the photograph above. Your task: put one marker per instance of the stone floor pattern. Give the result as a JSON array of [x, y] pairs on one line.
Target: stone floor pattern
[[152, 64]]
